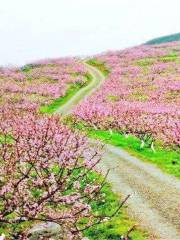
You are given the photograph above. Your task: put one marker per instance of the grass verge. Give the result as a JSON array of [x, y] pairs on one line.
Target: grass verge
[[166, 159]]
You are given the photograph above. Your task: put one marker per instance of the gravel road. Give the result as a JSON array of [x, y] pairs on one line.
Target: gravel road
[[155, 196]]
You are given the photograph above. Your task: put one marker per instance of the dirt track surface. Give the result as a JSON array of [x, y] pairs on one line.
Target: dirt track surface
[[155, 197]]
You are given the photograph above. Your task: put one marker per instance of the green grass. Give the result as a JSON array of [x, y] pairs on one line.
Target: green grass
[[144, 62], [166, 159], [6, 139], [51, 108], [172, 57], [99, 65], [72, 90]]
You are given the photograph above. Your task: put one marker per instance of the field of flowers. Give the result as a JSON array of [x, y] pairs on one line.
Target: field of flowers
[[39, 83], [48, 171], [140, 96]]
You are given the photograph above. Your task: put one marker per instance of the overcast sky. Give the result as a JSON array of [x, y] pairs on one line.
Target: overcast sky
[[35, 29]]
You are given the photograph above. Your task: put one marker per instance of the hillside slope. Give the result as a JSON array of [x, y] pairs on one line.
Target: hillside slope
[[146, 184]]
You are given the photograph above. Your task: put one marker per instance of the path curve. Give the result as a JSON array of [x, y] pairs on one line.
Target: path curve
[[155, 196], [97, 80]]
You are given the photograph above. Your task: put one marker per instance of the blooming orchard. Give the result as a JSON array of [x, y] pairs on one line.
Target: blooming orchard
[[141, 94], [39, 83], [48, 173]]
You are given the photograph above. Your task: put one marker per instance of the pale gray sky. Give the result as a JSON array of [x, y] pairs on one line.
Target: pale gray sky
[[35, 29]]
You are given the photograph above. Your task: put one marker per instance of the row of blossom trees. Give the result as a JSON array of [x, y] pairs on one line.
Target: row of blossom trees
[[140, 96], [39, 83]]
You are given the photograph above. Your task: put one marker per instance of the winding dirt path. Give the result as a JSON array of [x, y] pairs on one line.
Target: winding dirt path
[[155, 196], [97, 80]]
